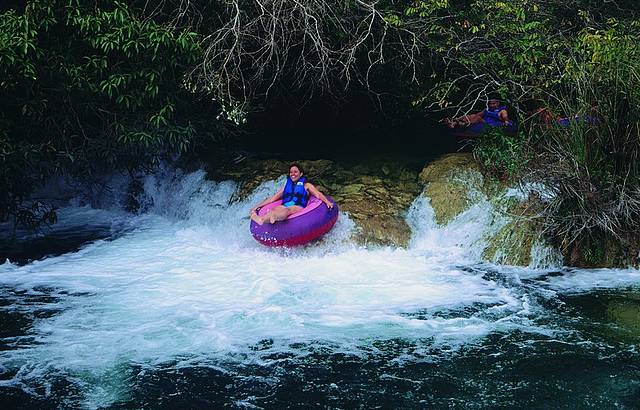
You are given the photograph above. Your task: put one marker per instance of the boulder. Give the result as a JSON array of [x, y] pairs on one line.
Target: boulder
[[455, 182], [449, 182], [512, 244]]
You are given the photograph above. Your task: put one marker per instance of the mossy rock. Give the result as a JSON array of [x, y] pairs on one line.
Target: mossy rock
[[448, 165], [448, 200], [512, 244], [626, 314], [376, 223], [352, 189], [377, 206], [448, 183]]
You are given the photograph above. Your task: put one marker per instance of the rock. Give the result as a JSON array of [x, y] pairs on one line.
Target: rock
[[625, 312], [512, 244], [455, 182], [446, 166], [377, 205], [351, 189], [135, 191], [448, 200], [377, 222], [448, 182]]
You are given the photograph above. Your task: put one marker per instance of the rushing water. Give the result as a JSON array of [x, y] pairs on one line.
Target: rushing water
[[180, 307]]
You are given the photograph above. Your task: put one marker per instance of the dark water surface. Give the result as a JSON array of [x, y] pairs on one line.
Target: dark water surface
[[591, 361]]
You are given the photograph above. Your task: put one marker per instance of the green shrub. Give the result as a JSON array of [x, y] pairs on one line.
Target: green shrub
[[502, 154], [592, 164], [86, 89]]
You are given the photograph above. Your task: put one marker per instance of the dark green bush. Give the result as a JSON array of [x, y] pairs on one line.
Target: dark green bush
[[503, 155], [591, 165], [86, 89]]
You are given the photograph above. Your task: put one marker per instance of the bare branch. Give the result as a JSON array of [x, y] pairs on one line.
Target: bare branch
[[312, 45]]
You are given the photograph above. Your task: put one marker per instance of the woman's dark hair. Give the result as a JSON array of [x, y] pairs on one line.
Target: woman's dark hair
[[295, 164]]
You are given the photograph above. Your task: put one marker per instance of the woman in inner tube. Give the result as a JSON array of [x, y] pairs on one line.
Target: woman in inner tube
[[294, 195], [495, 115]]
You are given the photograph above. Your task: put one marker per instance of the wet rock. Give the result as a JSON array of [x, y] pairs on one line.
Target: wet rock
[[455, 182], [624, 311], [447, 199], [352, 189], [448, 165], [512, 244], [448, 183], [132, 201]]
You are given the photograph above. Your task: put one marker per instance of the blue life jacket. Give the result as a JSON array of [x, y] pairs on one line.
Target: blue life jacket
[[295, 192], [492, 117]]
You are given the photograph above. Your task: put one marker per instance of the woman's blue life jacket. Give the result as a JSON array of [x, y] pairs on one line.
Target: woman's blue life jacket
[[294, 193], [492, 117]]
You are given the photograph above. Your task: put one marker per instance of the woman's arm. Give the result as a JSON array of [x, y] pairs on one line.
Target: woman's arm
[[467, 120], [275, 197], [315, 192]]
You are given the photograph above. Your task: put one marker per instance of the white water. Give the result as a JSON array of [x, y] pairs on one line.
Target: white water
[[186, 282]]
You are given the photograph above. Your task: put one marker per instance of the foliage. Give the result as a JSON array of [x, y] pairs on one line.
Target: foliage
[[517, 50], [591, 164], [490, 47], [580, 61], [501, 154], [85, 89]]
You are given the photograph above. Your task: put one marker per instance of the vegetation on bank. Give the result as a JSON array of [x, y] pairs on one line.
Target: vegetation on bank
[[88, 87], [587, 162]]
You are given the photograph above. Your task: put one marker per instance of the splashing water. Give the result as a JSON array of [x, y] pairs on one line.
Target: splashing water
[[184, 287]]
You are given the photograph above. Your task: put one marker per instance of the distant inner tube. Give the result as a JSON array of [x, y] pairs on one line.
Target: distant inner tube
[[477, 129], [298, 229]]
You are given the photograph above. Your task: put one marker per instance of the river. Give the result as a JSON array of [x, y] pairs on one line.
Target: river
[[178, 306]]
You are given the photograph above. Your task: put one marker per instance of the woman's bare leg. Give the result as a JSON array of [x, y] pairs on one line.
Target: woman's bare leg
[[279, 213]]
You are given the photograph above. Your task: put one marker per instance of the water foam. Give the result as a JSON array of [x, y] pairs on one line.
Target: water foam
[[188, 283]]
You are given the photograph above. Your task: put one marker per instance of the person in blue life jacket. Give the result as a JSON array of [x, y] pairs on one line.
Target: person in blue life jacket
[[494, 115], [294, 196]]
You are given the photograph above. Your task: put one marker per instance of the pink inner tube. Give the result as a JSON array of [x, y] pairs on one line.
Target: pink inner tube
[[302, 227]]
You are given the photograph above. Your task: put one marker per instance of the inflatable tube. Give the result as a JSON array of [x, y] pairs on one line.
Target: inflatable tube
[[298, 229], [475, 130], [577, 119]]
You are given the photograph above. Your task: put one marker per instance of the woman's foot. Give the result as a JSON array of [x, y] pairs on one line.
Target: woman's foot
[[255, 218]]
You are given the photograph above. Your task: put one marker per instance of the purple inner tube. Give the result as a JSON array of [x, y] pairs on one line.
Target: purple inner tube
[[477, 129], [300, 228]]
